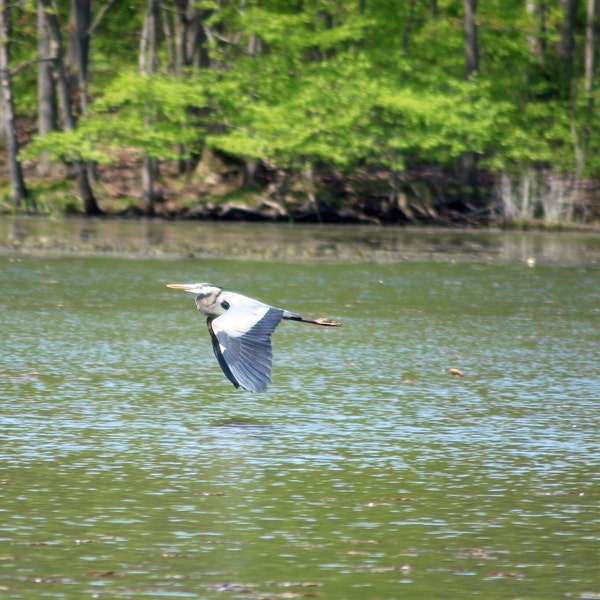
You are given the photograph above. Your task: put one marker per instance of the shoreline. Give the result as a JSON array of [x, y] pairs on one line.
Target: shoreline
[[291, 242]]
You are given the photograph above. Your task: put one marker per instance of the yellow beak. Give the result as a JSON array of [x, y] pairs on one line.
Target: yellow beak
[[186, 287]]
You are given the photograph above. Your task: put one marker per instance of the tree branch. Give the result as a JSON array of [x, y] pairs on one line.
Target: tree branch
[[28, 63], [99, 17]]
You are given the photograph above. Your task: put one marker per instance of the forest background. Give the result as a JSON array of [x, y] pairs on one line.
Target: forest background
[[427, 111]]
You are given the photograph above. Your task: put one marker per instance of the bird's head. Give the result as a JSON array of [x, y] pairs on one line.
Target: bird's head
[[202, 290]]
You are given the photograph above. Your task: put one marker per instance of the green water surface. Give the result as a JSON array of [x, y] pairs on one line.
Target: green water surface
[[131, 468]]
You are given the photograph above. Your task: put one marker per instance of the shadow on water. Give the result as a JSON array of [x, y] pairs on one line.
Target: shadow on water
[[243, 425]]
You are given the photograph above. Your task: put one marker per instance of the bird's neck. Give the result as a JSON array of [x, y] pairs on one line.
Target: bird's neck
[[210, 305]]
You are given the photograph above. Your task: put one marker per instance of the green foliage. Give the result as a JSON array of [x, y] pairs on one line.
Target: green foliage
[[337, 91], [156, 115], [344, 83], [337, 112]]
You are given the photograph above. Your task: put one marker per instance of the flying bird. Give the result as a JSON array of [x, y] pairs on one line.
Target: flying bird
[[240, 329]]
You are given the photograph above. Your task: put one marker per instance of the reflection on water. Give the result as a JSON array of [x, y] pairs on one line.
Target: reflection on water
[[130, 467], [293, 243]]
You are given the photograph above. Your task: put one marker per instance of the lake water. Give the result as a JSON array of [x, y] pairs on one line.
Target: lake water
[[131, 468]]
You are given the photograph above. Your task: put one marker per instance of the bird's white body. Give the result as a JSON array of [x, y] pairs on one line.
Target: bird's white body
[[240, 328]]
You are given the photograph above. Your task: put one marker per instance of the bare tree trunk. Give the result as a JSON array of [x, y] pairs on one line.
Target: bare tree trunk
[[469, 159], [190, 39], [78, 49], [180, 32], [47, 109], [566, 46], [177, 44], [90, 206], [148, 181], [408, 27], [170, 34], [148, 62], [537, 41], [471, 43], [308, 177], [187, 47], [566, 79], [78, 60], [591, 45], [17, 182], [196, 40]]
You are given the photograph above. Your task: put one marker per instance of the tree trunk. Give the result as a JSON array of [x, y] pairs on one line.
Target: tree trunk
[[308, 177], [591, 44], [90, 206], [537, 41], [78, 49], [47, 109], [191, 41], [187, 37], [469, 159], [408, 27], [471, 44], [19, 191], [148, 180], [197, 54], [148, 62], [566, 46], [179, 35], [78, 61]]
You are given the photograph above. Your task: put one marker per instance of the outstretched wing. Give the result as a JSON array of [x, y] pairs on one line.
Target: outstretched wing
[[242, 341]]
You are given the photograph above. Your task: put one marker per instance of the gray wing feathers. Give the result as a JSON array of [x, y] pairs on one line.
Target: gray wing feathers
[[244, 337]]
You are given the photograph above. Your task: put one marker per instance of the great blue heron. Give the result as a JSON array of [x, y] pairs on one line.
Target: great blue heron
[[240, 329]]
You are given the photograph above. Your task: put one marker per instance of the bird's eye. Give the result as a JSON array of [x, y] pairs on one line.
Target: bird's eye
[[225, 304]]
